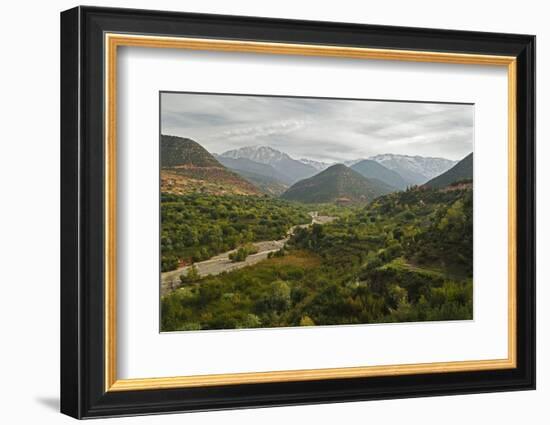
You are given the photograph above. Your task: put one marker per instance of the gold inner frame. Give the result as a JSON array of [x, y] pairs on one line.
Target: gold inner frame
[[113, 41]]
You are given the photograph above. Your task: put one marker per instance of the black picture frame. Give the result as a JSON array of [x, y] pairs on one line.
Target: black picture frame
[[83, 392]]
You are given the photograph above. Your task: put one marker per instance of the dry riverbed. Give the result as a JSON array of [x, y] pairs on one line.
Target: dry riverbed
[[221, 262]]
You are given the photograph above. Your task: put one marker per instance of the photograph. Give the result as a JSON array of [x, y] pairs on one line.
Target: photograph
[[280, 211], [304, 211]]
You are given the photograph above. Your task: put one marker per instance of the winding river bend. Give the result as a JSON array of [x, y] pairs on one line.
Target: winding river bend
[[221, 262]]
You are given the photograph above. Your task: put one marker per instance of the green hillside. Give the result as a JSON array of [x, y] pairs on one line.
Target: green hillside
[[337, 183], [463, 170], [372, 169]]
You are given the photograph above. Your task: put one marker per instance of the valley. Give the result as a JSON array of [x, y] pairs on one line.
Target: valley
[[254, 238], [222, 263]]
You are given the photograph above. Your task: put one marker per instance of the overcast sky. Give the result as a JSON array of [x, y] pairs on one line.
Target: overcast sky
[[320, 129]]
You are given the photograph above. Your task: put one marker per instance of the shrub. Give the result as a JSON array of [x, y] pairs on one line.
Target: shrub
[[243, 252], [306, 321]]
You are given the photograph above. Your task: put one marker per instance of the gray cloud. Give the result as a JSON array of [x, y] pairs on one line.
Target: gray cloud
[[321, 129]]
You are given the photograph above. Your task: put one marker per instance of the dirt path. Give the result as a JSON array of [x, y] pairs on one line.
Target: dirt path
[[221, 262]]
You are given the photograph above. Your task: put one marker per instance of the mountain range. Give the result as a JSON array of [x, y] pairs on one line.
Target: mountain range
[[337, 183], [414, 169], [292, 170], [399, 170], [187, 167]]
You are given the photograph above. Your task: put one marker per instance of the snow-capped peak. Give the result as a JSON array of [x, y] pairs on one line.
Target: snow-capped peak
[[428, 167], [318, 165], [259, 153]]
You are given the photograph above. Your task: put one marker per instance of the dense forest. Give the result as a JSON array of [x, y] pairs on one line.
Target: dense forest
[[406, 256], [196, 227]]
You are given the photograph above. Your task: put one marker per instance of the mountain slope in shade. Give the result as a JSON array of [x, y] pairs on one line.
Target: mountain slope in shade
[[414, 169], [291, 169], [187, 167], [372, 169], [247, 165], [264, 176], [463, 170], [337, 183], [265, 184]]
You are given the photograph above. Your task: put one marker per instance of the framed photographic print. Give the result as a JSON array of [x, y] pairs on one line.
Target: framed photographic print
[[261, 212]]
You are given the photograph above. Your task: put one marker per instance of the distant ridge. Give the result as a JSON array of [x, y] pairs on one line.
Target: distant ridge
[[337, 183], [463, 170], [372, 169], [292, 169], [264, 176], [318, 165], [414, 169], [186, 167]]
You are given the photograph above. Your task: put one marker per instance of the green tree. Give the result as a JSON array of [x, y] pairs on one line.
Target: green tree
[[192, 275]]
